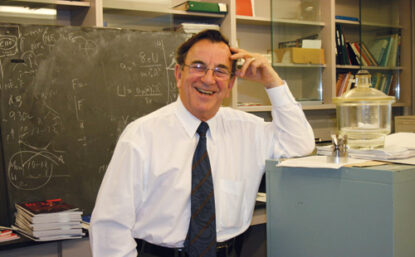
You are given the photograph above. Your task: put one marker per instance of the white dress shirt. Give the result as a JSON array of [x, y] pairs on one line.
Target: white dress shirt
[[145, 192]]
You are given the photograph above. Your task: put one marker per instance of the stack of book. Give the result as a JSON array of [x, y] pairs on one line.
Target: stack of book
[[382, 51], [193, 28], [344, 83], [7, 235], [48, 220]]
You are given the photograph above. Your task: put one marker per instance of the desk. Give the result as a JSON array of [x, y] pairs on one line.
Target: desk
[[359, 212], [64, 248], [259, 216]]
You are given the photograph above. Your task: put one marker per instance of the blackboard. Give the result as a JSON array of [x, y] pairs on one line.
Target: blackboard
[[66, 95]]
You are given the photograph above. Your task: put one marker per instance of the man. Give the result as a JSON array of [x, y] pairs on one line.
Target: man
[[146, 192]]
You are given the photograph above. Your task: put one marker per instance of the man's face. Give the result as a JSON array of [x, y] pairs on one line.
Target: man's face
[[202, 93]]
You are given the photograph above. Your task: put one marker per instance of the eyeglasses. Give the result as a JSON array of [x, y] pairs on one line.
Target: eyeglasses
[[201, 69]]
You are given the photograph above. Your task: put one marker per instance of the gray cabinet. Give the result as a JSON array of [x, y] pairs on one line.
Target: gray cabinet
[[347, 212]]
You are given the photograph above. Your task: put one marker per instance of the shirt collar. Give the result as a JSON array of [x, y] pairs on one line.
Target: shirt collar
[[191, 123]]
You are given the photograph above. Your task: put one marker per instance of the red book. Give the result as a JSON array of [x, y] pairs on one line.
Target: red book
[[48, 206], [244, 7], [362, 54], [7, 235]]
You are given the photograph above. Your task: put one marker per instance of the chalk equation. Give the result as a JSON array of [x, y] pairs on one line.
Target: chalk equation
[[33, 169]]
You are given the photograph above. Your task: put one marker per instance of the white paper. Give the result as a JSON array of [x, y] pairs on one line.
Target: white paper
[[399, 148], [316, 161], [311, 43], [404, 139], [261, 197]]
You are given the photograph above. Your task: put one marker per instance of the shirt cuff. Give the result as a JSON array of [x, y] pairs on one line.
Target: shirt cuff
[[281, 95]]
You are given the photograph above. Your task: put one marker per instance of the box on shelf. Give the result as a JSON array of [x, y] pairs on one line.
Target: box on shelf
[[405, 123], [300, 55]]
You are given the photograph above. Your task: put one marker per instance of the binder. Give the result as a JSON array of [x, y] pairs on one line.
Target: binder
[[195, 6]]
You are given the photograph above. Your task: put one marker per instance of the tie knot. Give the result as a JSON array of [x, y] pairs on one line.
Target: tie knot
[[203, 127]]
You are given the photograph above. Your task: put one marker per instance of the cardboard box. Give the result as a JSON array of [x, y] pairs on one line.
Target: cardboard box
[[300, 55], [405, 124]]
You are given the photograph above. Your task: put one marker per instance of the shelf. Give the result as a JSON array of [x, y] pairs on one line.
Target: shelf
[[348, 67], [381, 68], [317, 107], [293, 65], [299, 22], [355, 23], [151, 10], [268, 108], [256, 108], [241, 19], [380, 26], [355, 67], [306, 107], [369, 24], [401, 105], [47, 3]]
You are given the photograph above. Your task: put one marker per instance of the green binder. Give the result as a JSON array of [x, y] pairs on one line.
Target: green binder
[[195, 6]]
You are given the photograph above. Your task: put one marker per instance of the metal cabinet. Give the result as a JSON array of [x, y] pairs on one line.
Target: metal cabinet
[[361, 212]]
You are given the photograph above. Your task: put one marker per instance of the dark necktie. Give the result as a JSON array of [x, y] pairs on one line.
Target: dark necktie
[[201, 236]]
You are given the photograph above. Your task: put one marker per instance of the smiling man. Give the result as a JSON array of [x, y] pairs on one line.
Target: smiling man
[[183, 179]]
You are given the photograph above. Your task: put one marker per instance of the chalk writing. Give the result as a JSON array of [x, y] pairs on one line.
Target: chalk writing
[[32, 169], [8, 40]]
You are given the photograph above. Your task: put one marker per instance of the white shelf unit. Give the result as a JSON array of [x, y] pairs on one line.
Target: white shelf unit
[[378, 17]]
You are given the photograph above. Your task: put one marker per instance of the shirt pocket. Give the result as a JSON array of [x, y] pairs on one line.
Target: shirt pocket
[[230, 203]]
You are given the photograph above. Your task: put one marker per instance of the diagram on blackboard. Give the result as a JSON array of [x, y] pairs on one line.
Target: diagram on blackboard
[[32, 169]]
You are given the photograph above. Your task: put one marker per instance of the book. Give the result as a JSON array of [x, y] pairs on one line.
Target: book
[[365, 51], [48, 211], [349, 83], [344, 84], [48, 220], [386, 87], [244, 7], [353, 58], [339, 81], [296, 43], [378, 47], [386, 52], [393, 85], [192, 28], [339, 52], [45, 207], [55, 232], [356, 50], [195, 6], [393, 54], [346, 18], [363, 57], [8, 235], [48, 238], [24, 223], [344, 58]]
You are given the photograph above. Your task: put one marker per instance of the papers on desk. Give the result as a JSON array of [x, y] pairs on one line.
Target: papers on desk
[[403, 139], [399, 148], [317, 161], [261, 197]]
